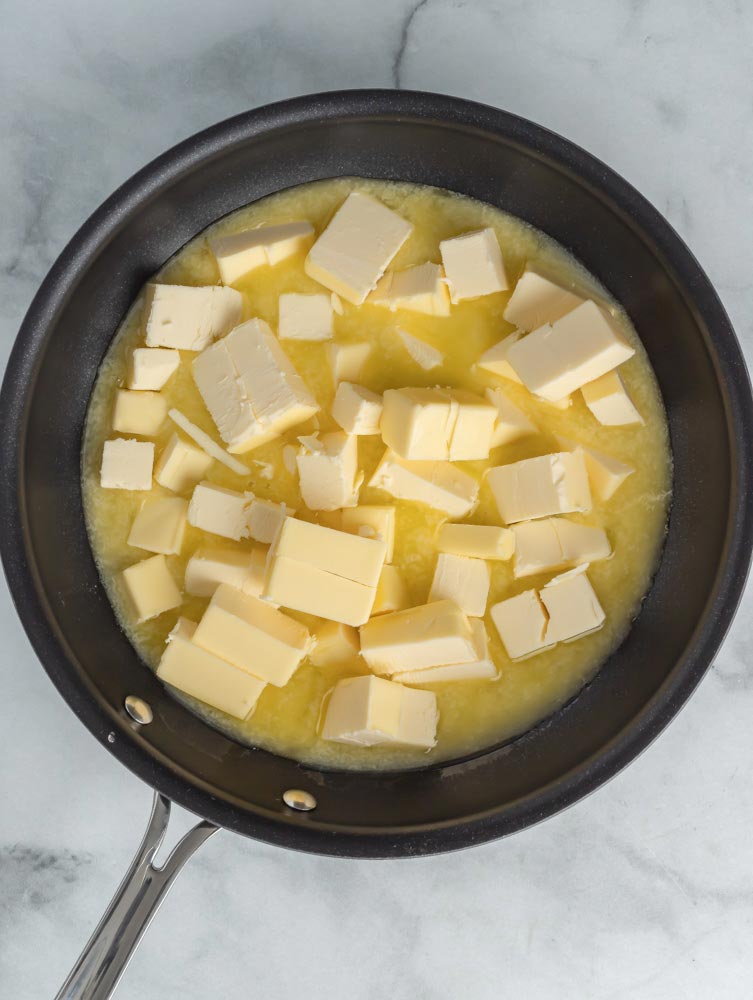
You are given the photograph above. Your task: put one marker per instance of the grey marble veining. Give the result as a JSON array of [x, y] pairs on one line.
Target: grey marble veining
[[644, 891]]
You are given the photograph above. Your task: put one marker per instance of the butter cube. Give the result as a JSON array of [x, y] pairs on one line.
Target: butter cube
[[437, 424], [474, 428], [353, 252], [301, 586], [430, 635], [370, 521], [206, 677], [265, 519], [463, 580], [555, 543], [251, 388], [521, 622], [392, 592], [188, 318], [357, 410], [240, 253], [337, 552], [572, 606], [540, 487], [252, 635], [212, 565], [138, 412], [368, 711], [419, 289], [335, 644], [346, 361], [558, 358], [605, 473], [440, 485], [160, 525], [206, 443], [219, 510], [536, 300], [126, 465], [480, 541], [328, 471], [482, 668], [151, 367], [512, 424], [425, 356], [149, 588], [181, 465], [495, 359], [473, 265], [608, 400], [305, 317]]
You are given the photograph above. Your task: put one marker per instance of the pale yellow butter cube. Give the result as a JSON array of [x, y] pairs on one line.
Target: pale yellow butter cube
[[425, 356], [335, 644], [126, 465], [206, 677], [572, 606], [355, 249], [558, 358], [473, 265], [305, 317], [346, 361], [494, 360], [556, 543], [160, 525], [328, 471], [370, 521], [151, 367], [473, 422], [338, 552], [150, 588], [252, 635], [240, 253], [605, 473], [219, 511], [356, 409], [461, 579], [181, 465], [265, 519], [418, 289], [301, 586], [536, 300], [480, 541], [512, 423], [368, 711], [430, 635], [188, 318], [392, 592], [521, 622], [439, 485], [206, 443], [540, 487], [609, 401], [212, 565], [422, 424], [482, 668], [138, 412]]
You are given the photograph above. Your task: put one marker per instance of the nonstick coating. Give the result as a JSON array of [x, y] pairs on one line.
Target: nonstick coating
[[476, 151]]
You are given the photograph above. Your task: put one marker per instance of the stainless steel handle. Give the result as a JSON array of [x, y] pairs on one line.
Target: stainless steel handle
[[103, 960]]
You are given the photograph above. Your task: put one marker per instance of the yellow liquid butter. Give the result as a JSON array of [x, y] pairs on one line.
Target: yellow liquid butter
[[473, 714]]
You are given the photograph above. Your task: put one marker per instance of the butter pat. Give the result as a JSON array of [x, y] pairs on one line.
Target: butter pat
[[425, 356], [463, 580], [240, 253], [251, 388], [437, 484], [181, 465], [337, 552], [512, 423], [353, 252], [371, 521], [558, 358], [536, 300], [608, 400], [219, 510], [495, 359], [555, 543], [357, 410], [572, 606], [151, 367], [212, 565], [392, 592], [126, 465], [346, 361], [206, 677], [328, 471], [187, 318], [206, 443], [521, 622], [335, 644], [265, 519], [430, 635], [419, 289], [437, 424], [252, 635], [368, 711], [138, 412], [305, 317], [482, 668], [479, 541], [605, 473], [160, 525], [540, 487], [150, 588], [302, 587], [473, 265]]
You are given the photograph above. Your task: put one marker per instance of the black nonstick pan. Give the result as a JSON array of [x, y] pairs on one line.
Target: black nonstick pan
[[478, 151]]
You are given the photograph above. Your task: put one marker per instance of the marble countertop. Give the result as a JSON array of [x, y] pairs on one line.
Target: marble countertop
[[643, 891]]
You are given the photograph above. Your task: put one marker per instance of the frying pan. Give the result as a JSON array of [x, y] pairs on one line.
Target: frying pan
[[476, 151]]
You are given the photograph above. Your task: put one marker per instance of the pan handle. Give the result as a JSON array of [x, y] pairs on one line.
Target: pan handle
[[103, 960]]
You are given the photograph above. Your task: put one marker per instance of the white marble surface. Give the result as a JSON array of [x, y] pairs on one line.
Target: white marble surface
[[643, 891]]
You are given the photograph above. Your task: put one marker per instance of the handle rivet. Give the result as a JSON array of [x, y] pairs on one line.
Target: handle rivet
[[111, 737], [139, 710], [296, 798]]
